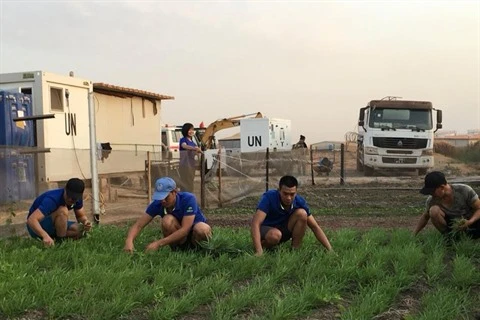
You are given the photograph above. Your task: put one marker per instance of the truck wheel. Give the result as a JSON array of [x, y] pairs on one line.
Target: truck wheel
[[368, 171]]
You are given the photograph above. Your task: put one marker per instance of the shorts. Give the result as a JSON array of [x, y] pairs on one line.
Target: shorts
[[47, 225], [286, 234], [187, 245]]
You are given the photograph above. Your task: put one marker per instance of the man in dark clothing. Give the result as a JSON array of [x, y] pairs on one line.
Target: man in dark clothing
[[300, 153], [301, 143], [452, 207]]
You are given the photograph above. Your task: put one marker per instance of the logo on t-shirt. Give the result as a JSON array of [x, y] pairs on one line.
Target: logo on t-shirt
[[189, 210]]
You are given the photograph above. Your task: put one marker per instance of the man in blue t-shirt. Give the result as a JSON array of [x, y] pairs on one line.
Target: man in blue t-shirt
[[48, 216], [283, 215], [183, 223]]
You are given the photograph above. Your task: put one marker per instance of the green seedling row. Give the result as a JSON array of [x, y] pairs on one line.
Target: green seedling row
[[375, 274]]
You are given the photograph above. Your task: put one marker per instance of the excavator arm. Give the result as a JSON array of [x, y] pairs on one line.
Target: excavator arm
[[207, 139]]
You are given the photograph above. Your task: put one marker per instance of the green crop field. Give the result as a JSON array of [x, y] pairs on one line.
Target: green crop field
[[378, 274]]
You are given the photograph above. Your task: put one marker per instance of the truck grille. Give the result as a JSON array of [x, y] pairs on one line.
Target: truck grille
[[399, 160], [397, 151], [400, 143]]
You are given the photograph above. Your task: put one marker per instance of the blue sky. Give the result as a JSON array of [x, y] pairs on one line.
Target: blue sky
[[313, 62]]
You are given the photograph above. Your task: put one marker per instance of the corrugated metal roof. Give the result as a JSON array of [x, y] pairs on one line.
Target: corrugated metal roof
[[124, 92]]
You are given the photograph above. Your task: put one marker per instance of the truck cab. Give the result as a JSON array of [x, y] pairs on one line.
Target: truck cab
[[170, 143], [396, 134]]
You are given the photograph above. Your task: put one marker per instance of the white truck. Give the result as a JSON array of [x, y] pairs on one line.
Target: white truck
[[246, 151], [258, 134], [396, 134]]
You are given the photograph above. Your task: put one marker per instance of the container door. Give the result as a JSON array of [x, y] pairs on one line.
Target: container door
[[22, 130]]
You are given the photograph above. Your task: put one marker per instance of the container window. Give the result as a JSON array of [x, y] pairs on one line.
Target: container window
[[26, 90], [56, 99]]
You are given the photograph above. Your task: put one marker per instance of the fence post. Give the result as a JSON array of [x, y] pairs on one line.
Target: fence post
[[202, 180], [342, 164], [219, 161], [311, 166], [267, 166], [149, 177]]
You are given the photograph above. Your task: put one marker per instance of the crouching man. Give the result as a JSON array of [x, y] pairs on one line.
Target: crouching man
[[183, 223], [283, 215], [48, 216], [451, 207]]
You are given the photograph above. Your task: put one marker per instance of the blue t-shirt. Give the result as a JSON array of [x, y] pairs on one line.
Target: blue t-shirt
[[185, 205], [49, 201], [276, 214], [187, 157]]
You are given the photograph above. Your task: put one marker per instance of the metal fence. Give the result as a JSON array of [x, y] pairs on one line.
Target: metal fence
[[25, 173], [127, 177]]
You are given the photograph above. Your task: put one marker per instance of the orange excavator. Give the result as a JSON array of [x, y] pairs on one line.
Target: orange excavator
[[206, 136]]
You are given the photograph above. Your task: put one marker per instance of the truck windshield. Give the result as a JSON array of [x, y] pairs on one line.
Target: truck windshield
[[414, 119]]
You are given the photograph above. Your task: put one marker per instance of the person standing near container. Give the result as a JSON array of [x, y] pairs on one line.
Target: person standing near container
[[188, 150]]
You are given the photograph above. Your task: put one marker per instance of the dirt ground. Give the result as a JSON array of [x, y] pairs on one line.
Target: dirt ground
[[386, 190]]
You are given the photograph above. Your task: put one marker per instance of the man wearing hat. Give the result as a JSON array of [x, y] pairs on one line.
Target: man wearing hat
[[448, 203], [183, 223], [48, 216]]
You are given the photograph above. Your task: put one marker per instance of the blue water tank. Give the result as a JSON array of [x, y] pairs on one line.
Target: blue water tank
[[17, 171], [8, 171], [25, 176], [15, 105], [17, 176], [3, 176], [22, 131], [7, 101], [29, 137]]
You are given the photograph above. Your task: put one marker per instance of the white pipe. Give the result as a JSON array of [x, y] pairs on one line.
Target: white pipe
[[93, 158]]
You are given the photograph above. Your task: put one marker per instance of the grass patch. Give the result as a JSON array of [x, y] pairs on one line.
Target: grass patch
[[369, 275]]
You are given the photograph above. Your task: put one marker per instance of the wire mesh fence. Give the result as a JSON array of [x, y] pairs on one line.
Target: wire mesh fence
[[240, 175], [127, 177], [25, 173]]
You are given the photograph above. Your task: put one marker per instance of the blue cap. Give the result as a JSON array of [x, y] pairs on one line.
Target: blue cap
[[163, 187]]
